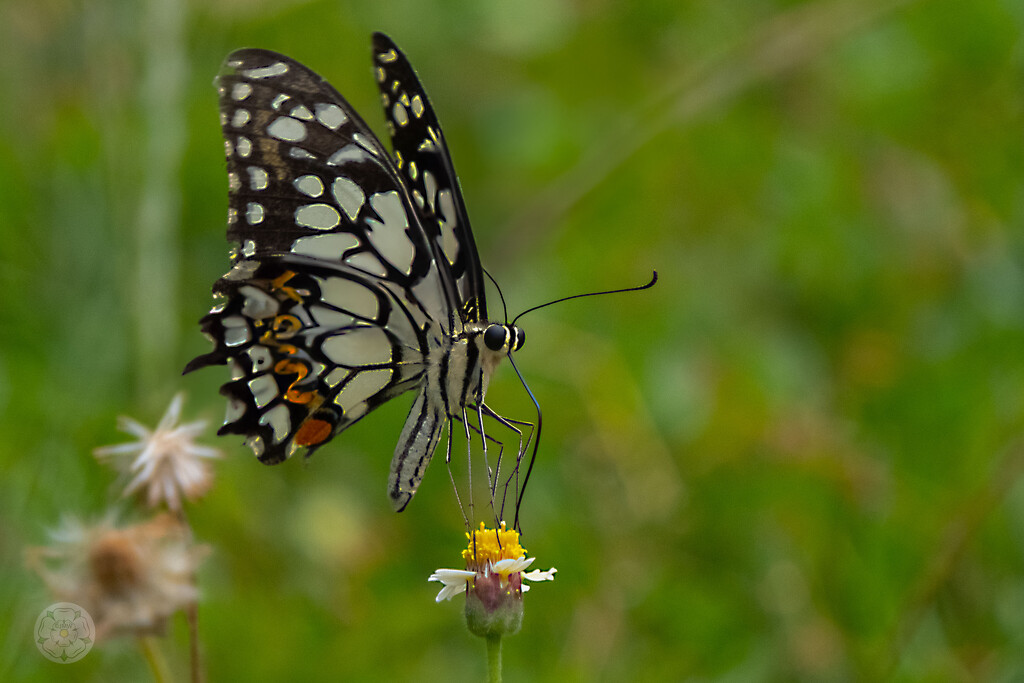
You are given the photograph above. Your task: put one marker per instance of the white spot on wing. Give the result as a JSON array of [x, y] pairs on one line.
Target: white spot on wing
[[260, 358], [275, 69], [301, 112], [417, 106], [366, 261], [310, 185], [365, 144], [330, 115], [361, 387], [258, 178], [428, 291], [329, 319], [400, 114], [346, 154], [287, 129], [390, 237], [235, 410], [279, 99], [255, 442], [254, 213], [240, 118], [317, 216], [239, 91], [430, 185], [359, 347], [258, 304], [349, 195], [236, 330], [279, 420], [263, 389], [243, 146], [446, 209], [348, 295], [330, 246]]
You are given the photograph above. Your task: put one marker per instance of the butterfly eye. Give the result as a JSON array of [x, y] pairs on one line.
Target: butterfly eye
[[495, 337], [520, 339]]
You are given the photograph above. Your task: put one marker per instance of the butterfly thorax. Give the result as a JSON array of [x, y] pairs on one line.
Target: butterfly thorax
[[460, 368]]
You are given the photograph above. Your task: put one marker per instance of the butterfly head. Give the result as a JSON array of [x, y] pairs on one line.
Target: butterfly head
[[504, 338]]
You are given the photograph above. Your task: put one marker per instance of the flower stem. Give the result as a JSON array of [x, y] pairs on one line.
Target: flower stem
[[150, 647], [494, 659]]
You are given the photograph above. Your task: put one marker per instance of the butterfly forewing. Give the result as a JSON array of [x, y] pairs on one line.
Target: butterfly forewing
[[307, 176], [422, 157]]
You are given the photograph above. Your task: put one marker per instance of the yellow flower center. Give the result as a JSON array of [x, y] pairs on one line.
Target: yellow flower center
[[491, 545]]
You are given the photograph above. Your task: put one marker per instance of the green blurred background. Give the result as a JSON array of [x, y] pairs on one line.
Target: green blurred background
[[798, 458]]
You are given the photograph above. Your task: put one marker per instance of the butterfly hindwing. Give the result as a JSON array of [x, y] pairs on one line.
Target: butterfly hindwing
[[312, 348]]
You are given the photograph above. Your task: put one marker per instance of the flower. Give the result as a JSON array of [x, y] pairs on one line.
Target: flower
[[129, 578], [492, 581], [166, 460]]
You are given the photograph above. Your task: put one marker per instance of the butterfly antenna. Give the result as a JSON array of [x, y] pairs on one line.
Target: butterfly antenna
[[536, 443], [501, 296], [654, 278]]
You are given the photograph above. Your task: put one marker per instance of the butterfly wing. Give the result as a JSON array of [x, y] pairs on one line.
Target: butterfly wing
[[312, 348], [335, 298], [421, 155]]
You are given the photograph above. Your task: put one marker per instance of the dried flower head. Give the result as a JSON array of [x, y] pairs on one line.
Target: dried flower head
[[166, 461], [129, 579], [492, 581]]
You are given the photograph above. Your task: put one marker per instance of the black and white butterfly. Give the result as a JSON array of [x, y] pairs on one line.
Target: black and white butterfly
[[355, 277]]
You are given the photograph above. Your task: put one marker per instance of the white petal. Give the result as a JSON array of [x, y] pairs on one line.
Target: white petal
[[454, 581], [452, 576], [127, 424], [512, 566], [119, 449], [449, 592], [190, 430], [203, 451], [173, 412], [540, 575]]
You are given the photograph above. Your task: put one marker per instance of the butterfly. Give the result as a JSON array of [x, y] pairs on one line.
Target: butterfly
[[355, 277]]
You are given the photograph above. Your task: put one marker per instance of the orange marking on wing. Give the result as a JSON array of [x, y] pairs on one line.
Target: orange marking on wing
[[287, 366], [278, 284], [312, 432]]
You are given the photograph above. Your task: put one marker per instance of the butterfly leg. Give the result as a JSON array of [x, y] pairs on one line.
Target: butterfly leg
[[518, 427], [469, 461], [455, 487], [485, 438]]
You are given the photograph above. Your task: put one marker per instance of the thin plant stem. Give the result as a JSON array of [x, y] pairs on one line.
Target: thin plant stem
[[192, 616], [150, 647], [192, 613], [494, 659]]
